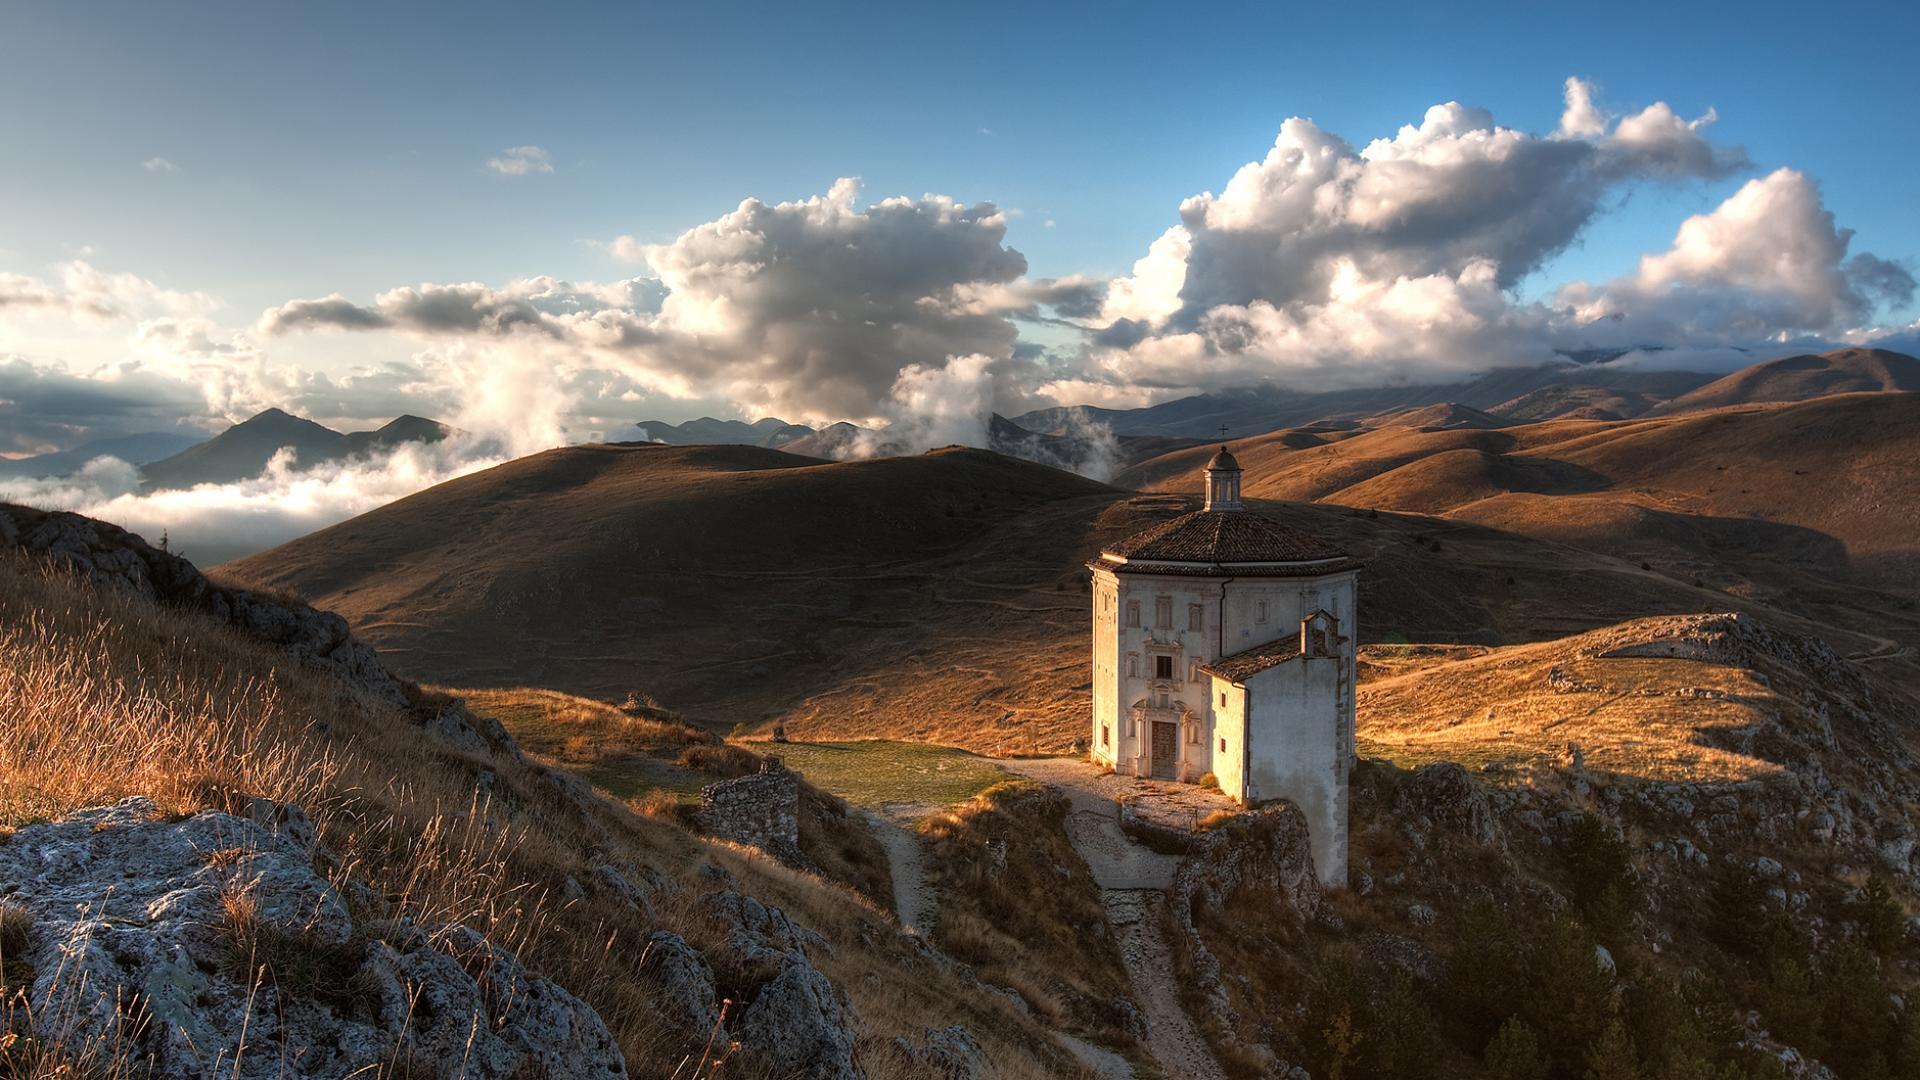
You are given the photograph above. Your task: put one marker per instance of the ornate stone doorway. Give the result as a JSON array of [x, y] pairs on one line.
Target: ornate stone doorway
[[1166, 750]]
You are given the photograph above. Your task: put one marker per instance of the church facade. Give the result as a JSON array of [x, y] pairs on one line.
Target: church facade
[[1223, 643]]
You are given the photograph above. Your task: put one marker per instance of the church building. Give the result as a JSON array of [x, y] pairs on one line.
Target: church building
[[1223, 643]]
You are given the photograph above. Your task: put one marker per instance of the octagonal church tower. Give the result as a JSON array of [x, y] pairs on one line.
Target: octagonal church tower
[[1223, 643]]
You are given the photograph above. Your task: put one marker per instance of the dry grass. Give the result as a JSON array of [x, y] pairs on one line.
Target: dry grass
[[102, 697], [1665, 719], [1019, 904]]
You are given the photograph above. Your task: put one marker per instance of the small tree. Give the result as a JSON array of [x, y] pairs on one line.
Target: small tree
[[1611, 1057], [1514, 1053]]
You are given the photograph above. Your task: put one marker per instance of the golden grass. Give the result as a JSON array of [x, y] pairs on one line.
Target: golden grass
[[102, 696], [1662, 719]]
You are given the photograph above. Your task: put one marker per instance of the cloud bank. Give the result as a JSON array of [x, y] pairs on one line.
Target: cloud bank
[[1323, 263]]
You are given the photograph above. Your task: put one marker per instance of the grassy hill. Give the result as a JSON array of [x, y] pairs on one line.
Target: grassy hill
[[1800, 378], [1809, 507], [106, 693], [938, 598]]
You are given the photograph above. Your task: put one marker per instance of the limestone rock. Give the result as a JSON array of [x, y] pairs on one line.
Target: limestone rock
[[125, 909], [799, 1025], [685, 985]]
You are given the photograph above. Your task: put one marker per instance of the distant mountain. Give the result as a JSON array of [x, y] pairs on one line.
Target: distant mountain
[[132, 449], [242, 451], [769, 432], [1258, 410], [1799, 378], [1447, 415]]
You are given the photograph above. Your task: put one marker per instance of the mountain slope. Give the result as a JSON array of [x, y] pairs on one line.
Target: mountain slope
[[1263, 409], [1799, 378], [132, 449], [1807, 506], [415, 836], [940, 597], [242, 451]]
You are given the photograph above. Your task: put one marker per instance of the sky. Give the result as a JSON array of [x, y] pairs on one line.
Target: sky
[[533, 222]]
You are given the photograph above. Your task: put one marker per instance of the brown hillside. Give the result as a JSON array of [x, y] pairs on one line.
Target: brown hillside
[[1799, 378], [938, 597], [1808, 506], [1446, 414]]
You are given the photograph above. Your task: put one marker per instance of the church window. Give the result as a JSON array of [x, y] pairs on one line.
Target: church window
[[1223, 745], [1261, 616], [1133, 666], [1193, 616], [1163, 612], [1223, 699], [1133, 613], [1163, 667], [1106, 734]]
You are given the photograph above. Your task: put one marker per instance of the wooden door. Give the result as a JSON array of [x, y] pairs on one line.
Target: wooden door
[[1166, 750]]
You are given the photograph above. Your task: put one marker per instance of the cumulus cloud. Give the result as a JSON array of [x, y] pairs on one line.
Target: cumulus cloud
[[1768, 262], [520, 161], [1324, 265], [810, 308]]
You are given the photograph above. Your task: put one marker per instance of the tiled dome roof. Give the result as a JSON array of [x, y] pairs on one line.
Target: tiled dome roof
[[1214, 536]]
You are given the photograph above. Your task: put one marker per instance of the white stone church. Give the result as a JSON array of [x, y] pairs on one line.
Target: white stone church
[[1223, 643]]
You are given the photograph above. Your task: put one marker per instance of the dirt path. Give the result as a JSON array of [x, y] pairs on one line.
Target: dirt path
[[1176, 1044], [907, 861], [1133, 880]]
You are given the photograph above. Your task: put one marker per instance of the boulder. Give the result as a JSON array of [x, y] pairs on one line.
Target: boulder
[[799, 1025], [249, 964]]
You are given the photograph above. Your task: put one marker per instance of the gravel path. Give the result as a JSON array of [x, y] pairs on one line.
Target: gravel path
[[907, 860], [1176, 1044]]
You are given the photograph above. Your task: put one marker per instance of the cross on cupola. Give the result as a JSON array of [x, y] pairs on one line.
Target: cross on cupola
[[1223, 482]]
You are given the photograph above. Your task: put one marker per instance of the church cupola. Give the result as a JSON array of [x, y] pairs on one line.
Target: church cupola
[[1223, 482]]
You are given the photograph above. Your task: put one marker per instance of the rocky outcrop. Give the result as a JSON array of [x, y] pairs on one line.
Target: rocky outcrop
[[787, 1018], [113, 558], [1265, 851], [209, 946]]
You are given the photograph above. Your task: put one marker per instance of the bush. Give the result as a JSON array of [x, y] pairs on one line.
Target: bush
[[722, 760]]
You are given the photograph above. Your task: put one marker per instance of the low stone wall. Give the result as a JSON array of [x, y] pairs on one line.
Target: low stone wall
[[761, 810]]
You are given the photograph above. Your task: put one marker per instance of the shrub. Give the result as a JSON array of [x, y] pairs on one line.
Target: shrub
[[722, 760], [1208, 780]]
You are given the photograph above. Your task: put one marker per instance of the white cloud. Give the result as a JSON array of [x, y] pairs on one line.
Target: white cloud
[[521, 161], [159, 165], [1322, 265], [214, 522], [1768, 262], [87, 292], [810, 309]]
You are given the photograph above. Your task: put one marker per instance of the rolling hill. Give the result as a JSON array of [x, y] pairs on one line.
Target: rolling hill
[[1807, 506], [1262, 409], [1799, 378], [243, 450], [936, 597]]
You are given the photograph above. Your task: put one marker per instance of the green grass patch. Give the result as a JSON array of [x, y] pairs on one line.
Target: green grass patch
[[630, 777], [879, 772]]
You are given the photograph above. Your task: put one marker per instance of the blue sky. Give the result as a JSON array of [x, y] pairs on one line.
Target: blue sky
[[340, 146], [229, 160]]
